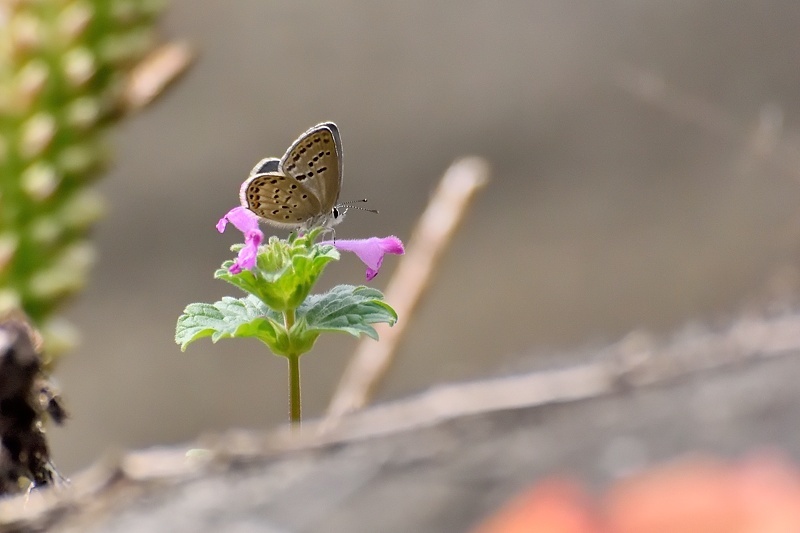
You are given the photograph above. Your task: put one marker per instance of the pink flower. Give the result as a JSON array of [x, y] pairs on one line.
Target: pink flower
[[370, 251], [247, 222]]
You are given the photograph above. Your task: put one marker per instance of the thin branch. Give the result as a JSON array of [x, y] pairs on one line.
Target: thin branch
[[433, 233], [765, 141], [161, 68], [637, 361]]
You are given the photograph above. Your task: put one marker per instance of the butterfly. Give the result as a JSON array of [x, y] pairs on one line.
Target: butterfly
[[300, 190]]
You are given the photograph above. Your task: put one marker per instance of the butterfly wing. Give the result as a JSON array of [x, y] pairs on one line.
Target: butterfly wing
[[280, 200], [268, 164], [315, 161]]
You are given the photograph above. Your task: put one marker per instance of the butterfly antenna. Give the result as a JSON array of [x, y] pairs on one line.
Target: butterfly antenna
[[351, 205]]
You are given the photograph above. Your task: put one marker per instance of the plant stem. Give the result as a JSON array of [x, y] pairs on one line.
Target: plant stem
[[295, 407]]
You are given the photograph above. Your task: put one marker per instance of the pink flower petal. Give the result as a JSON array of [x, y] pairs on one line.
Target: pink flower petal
[[247, 222], [371, 251], [242, 218]]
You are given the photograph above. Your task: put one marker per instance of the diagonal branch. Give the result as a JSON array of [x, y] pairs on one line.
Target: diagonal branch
[[433, 233]]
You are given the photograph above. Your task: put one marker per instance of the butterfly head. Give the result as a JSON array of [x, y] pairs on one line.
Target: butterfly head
[[327, 221], [340, 210]]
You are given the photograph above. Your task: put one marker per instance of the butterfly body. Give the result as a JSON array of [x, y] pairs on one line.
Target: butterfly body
[[300, 190]]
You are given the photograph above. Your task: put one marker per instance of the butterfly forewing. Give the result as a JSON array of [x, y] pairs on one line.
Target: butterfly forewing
[[315, 161], [279, 199]]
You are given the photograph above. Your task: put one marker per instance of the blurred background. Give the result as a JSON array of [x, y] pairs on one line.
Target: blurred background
[[645, 175]]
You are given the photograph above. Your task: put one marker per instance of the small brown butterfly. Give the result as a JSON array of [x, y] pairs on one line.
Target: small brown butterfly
[[300, 190]]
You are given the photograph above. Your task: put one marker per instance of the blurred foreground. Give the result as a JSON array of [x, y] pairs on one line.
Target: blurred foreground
[[450, 458]]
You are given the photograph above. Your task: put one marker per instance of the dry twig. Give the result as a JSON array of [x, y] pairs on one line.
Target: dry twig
[[433, 232], [160, 69], [766, 141]]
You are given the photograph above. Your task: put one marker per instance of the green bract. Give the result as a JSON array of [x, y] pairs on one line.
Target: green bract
[[285, 270]]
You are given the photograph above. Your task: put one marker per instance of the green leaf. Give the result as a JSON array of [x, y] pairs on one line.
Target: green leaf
[[347, 309], [228, 318]]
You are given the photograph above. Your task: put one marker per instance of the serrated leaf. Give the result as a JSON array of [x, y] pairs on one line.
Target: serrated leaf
[[347, 309], [228, 318]]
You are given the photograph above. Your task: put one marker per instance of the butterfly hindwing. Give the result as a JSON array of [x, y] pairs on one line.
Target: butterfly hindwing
[[268, 164], [279, 199]]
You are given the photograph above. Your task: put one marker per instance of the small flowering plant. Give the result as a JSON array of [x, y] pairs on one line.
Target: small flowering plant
[[278, 309]]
